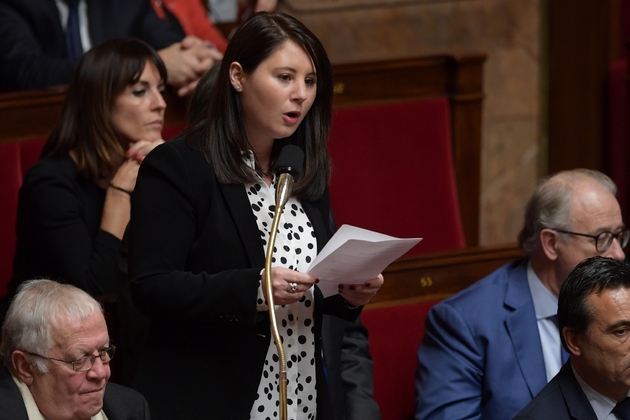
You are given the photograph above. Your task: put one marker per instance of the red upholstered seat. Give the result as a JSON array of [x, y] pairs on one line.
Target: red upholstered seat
[[15, 160], [11, 176], [395, 333], [30, 152], [171, 131], [393, 172]]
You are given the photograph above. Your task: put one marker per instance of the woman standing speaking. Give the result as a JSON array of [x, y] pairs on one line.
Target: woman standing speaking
[[200, 222]]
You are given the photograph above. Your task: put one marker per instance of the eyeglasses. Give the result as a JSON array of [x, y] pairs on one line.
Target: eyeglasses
[[604, 239], [85, 363]]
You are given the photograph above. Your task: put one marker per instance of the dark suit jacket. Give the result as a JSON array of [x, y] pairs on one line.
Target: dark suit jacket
[[195, 258], [345, 345], [481, 356], [561, 399], [119, 402], [349, 365], [33, 52]]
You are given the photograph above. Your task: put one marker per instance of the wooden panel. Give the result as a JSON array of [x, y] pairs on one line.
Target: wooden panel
[[380, 82], [29, 115], [438, 276], [32, 114], [466, 96], [583, 39]]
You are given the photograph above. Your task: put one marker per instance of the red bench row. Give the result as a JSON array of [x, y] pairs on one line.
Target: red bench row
[[406, 159]]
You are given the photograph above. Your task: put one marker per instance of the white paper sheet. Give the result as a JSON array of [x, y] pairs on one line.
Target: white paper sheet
[[354, 255]]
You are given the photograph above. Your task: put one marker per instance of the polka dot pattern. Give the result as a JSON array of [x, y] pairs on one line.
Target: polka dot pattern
[[295, 248]]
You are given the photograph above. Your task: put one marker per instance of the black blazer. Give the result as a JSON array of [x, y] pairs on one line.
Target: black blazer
[[349, 365], [119, 402], [33, 52], [561, 399], [195, 258], [345, 344]]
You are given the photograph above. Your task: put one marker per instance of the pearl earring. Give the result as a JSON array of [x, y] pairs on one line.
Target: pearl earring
[[239, 88]]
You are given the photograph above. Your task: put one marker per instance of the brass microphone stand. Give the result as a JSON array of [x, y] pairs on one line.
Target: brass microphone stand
[[282, 196]]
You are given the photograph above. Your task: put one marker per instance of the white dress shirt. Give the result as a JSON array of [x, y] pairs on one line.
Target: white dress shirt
[[602, 405]]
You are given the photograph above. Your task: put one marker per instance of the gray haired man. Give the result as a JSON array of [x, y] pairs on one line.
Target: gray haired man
[[56, 353]]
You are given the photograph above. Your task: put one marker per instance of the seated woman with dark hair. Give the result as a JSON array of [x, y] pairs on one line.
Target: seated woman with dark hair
[[75, 203]]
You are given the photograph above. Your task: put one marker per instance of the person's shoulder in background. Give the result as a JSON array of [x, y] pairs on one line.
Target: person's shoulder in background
[[193, 18], [121, 402]]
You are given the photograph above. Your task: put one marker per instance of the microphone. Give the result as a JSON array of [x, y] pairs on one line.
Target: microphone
[[288, 165]]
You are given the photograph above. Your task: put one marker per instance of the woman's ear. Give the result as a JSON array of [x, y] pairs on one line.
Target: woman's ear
[[236, 76]]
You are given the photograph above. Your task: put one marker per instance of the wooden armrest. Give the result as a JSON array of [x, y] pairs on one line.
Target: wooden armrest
[[440, 275]]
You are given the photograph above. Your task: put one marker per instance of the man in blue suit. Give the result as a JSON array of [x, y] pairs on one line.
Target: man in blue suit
[[488, 350], [594, 315]]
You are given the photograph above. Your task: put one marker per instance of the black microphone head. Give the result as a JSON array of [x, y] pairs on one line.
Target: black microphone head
[[290, 160]]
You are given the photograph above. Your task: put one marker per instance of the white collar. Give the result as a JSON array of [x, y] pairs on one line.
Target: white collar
[[31, 406]]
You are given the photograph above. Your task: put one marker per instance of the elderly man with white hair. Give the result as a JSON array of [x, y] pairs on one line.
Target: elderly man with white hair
[[56, 352]]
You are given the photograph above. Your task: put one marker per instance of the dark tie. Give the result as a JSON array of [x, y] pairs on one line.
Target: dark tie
[[73, 36], [622, 409]]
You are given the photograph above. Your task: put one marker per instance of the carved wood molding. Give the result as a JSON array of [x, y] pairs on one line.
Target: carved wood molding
[[332, 6], [31, 115], [440, 275]]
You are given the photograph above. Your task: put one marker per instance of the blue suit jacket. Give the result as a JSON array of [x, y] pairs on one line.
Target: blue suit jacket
[[481, 356], [561, 399]]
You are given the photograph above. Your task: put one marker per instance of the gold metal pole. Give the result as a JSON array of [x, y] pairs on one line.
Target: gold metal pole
[[281, 198]]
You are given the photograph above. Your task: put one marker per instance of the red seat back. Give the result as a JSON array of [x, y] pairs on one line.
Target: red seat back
[[30, 152], [393, 172], [395, 333], [171, 131], [11, 176], [15, 160]]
